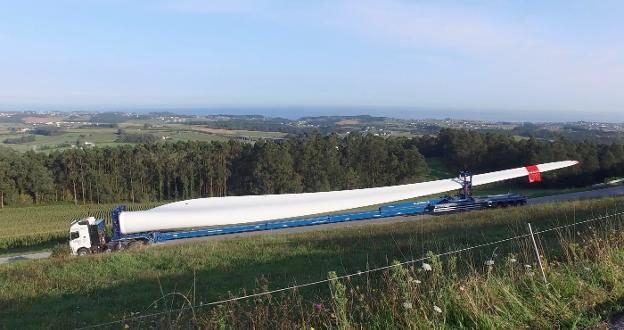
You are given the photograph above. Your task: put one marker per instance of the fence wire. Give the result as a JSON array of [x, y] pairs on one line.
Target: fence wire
[[359, 273]]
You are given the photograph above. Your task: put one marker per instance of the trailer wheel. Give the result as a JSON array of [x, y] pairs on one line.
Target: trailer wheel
[[83, 251]]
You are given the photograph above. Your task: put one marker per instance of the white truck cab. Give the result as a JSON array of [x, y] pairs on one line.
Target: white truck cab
[[87, 235]]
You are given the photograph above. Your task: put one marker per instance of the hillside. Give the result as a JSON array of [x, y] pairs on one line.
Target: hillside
[[69, 292]]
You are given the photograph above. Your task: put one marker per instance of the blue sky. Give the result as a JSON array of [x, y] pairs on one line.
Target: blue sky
[[559, 57]]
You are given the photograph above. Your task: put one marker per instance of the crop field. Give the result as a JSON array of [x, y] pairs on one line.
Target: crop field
[[35, 227], [67, 292]]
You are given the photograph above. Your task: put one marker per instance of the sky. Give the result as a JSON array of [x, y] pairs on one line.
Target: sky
[[501, 57]]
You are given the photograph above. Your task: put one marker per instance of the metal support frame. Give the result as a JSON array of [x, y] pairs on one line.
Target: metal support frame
[[115, 219], [466, 181]]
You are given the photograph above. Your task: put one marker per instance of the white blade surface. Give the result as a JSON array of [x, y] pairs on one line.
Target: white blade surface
[[217, 211]]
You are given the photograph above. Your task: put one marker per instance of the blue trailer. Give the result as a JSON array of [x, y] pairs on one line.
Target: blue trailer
[[88, 236], [408, 208]]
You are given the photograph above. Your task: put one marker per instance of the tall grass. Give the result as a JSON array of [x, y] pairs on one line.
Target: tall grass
[[585, 286]]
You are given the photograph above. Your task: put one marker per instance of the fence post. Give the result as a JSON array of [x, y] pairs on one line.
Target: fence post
[[537, 255]]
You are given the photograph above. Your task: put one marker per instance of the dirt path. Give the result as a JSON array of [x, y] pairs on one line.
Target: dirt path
[[30, 256]]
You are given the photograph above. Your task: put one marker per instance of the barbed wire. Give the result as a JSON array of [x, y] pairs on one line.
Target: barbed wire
[[358, 273]]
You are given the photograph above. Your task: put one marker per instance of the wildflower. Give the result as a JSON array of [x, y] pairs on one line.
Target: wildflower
[[489, 262], [513, 260], [426, 267], [461, 288], [318, 307], [126, 326], [416, 281], [527, 266], [407, 305], [437, 309]]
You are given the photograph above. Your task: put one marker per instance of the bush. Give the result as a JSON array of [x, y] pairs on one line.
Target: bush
[[61, 251], [137, 138], [20, 140], [48, 131]]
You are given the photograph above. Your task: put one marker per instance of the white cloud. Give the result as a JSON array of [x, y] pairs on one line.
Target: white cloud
[[519, 51], [527, 59], [431, 25]]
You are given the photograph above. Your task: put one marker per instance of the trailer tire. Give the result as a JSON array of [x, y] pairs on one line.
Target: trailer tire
[[83, 251]]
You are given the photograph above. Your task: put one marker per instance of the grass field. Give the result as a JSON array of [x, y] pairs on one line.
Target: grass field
[[108, 136], [69, 292], [528, 192]]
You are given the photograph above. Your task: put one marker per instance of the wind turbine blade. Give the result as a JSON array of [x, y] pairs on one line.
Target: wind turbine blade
[[218, 211]]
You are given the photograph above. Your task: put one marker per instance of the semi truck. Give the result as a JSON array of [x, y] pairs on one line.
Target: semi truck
[[238, 214]]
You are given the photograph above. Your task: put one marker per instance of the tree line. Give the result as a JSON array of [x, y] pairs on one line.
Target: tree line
[[478, 152], [314, 162], [192, 169]]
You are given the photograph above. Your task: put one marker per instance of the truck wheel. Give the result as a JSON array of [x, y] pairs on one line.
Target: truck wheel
[[83, 251]]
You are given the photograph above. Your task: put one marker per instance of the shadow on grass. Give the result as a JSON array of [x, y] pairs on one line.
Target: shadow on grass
[[345, 255]]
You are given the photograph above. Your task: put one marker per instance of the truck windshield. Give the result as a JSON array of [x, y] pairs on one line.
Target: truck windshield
[[73, 235]]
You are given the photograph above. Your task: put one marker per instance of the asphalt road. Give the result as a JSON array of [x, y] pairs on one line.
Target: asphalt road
[[612, 191]]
